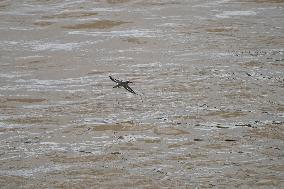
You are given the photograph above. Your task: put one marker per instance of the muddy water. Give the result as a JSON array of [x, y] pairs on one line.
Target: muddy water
[[209, 111]]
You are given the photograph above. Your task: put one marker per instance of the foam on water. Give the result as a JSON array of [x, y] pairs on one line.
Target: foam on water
[[123, 33], [228, 14]]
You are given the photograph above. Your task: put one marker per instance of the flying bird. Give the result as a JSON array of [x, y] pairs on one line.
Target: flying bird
[[120, 83]]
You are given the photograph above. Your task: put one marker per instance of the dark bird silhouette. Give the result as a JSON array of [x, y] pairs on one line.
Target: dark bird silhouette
[[120, 83]]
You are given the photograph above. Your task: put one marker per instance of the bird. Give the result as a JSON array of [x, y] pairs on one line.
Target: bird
[[120, 83]]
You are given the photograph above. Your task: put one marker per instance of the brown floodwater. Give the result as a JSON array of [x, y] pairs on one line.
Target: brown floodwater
[[209, 109]]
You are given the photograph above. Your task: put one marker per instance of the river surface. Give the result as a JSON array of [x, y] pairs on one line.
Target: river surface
[[209, 109]]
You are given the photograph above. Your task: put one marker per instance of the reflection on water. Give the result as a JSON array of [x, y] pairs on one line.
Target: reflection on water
[[209, 80]]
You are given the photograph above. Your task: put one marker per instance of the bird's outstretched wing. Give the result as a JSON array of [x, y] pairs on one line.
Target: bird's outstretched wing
[[129, 89], [114, 80]]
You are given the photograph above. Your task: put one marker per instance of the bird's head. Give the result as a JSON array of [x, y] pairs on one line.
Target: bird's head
[[129, 82]]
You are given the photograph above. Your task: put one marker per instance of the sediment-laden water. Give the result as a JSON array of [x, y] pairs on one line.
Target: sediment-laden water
[[209, 111]]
